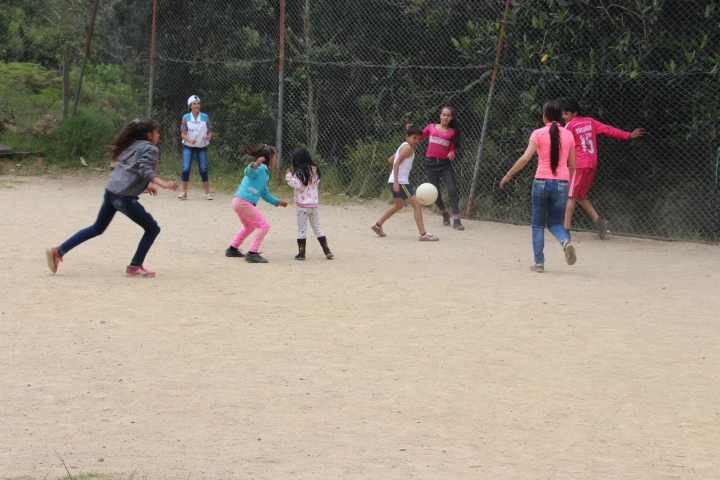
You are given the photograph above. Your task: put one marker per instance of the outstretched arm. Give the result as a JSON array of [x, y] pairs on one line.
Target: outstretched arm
[[522, 161]]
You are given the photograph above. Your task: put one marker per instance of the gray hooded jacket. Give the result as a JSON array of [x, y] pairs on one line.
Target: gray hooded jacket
[[134, 170]]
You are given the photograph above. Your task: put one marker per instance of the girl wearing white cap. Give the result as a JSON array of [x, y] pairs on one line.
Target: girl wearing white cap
[[196, 132]]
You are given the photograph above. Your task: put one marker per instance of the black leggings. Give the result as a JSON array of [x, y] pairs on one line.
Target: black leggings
[[437, 169]]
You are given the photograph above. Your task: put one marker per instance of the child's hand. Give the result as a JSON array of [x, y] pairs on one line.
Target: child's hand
[[282, 203], [451, 156], [638, 132], [396, 188], [258, 162], [151, 190], [504, 180], [171, 185], [193, 142]]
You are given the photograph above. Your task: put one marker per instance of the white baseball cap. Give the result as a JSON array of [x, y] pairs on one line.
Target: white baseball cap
[[193, 98]]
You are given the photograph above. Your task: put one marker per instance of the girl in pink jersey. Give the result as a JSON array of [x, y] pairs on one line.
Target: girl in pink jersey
[[585, 131], [444, 137], [555, 147]]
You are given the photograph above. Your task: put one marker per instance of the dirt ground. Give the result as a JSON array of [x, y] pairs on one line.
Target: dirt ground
[[398, 359]]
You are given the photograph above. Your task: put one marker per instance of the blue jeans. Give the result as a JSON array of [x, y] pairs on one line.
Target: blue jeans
[[548, 208], [201, 154], [131, 208]]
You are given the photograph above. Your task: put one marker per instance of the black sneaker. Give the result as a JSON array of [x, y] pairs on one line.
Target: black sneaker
[[255, 258], [602, 227], [328, 254], [233, 252], [300, 256], [446, 219], [457, 225]]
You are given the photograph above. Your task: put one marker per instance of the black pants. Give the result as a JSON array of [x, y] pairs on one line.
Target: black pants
[[442, 169]]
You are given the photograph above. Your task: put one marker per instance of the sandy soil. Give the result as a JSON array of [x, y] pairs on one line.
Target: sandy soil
[[398, 359]]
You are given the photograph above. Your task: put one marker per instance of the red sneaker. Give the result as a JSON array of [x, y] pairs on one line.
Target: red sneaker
[[53, 258], [138, 272]]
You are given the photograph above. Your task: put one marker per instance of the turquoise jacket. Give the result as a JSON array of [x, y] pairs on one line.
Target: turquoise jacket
[[254, 186]]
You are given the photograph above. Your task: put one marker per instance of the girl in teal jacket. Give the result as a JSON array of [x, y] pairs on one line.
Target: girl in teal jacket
[[252, 188]]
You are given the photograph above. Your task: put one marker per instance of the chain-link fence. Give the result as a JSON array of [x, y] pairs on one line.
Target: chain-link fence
[[356, 72]]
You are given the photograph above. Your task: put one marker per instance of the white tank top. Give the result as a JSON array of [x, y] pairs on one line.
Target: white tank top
[[405, 167], [197, 129]]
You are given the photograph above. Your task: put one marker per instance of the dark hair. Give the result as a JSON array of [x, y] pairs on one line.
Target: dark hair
[[138, 129], [413, 130], [454, 125], [552, 110], [570, 105], [302, 164], [265, 151]]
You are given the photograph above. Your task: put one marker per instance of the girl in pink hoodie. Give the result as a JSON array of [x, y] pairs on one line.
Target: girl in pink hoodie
[[305, 179]]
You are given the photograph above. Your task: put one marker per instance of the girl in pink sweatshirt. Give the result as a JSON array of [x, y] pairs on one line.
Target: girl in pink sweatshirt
[[439, 156], [305, 179]]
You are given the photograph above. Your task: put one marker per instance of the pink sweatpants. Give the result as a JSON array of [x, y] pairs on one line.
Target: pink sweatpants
[[251, 219]]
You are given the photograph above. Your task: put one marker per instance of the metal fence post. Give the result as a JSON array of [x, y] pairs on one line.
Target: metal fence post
[[152, 60], [486, 120], [87, 54], [281, 89]]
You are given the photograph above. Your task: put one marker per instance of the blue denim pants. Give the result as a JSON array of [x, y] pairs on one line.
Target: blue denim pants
[[201, 154], [548, 208], [131, 208]]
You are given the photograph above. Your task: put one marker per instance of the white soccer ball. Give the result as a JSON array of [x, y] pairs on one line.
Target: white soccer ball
[[426, 193]]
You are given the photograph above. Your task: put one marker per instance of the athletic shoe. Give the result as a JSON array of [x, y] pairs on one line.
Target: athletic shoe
[[233, 252], [428, 237], [208, 196], [300, 256], [378, 229], [255, 258], [446, 219], [53, 258], [602, 227], [457, 225], [138, 272], [183, 196], [570, 256], [328, 254], [538, 268]]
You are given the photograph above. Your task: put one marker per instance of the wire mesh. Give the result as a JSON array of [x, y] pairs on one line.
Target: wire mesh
[[356, 72]]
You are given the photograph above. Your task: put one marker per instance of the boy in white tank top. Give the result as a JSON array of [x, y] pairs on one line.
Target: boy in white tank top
[[401, 188]]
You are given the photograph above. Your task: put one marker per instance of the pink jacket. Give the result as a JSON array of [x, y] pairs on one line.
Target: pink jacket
[[585, 130], [306, 196], [441, 144]]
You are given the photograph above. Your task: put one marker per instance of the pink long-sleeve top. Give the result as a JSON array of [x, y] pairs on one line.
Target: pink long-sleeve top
[[440, 144], [306, 196], [585, 130]]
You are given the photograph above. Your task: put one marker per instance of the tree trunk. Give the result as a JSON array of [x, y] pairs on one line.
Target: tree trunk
[[314, 133], [65, 80]]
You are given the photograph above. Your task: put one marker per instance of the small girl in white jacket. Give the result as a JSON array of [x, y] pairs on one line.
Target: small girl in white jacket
[[305, 178]]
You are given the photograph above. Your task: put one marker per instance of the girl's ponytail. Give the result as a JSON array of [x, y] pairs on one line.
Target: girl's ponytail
[[138, 129], [554, 146], [265, 151], [552, 111]]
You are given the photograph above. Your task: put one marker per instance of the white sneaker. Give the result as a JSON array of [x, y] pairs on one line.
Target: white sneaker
[[183, 196], [428, 237], [208, 196]]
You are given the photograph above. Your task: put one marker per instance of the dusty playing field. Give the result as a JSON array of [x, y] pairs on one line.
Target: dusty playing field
[[398, 359]]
